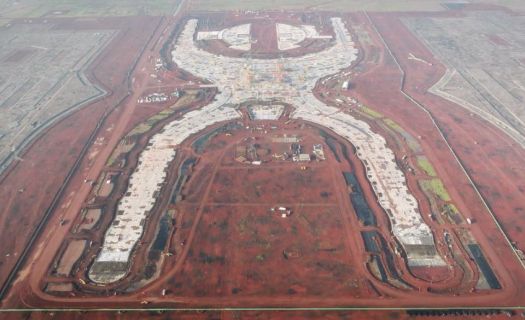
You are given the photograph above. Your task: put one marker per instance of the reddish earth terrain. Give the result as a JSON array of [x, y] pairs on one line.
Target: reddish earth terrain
[[236, 248], [229, 315], [266, 36], [241, 248], [226, 247]]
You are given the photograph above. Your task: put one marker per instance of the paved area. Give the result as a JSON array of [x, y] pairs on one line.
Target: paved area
[[485, 56], [42, 79]]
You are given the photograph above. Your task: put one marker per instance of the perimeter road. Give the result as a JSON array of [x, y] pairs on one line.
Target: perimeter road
[[262, 309]]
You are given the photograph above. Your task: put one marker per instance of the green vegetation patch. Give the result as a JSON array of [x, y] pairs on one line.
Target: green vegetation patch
[[452, 208], [140, 129], [370, 112], [436, 186], [412, 143], [393, 125], [151, 121], [148, 124], [425, 165]]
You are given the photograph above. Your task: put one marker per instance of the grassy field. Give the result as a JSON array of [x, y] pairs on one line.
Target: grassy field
[[436, 186], [339, 5], [424, 164], [78, 8], [393, 125], [370, 112]]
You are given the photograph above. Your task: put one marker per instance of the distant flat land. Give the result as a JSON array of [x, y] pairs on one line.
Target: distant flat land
[[346, 5], [37, 8], [42, 79], [342, 5], [485, 64], [77, 8]]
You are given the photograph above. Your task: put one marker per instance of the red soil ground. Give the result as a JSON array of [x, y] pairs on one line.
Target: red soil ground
[[239, 244], [201, 212], [225, 315], [222, 254], [266, 36], [484, 163]]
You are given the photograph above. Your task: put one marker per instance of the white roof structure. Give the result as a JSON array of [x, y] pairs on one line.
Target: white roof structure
[[295, 88], [289, 37], [237, 37], [148, 178], [264, 112]]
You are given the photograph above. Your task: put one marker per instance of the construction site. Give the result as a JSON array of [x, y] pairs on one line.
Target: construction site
[[299, 160]]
